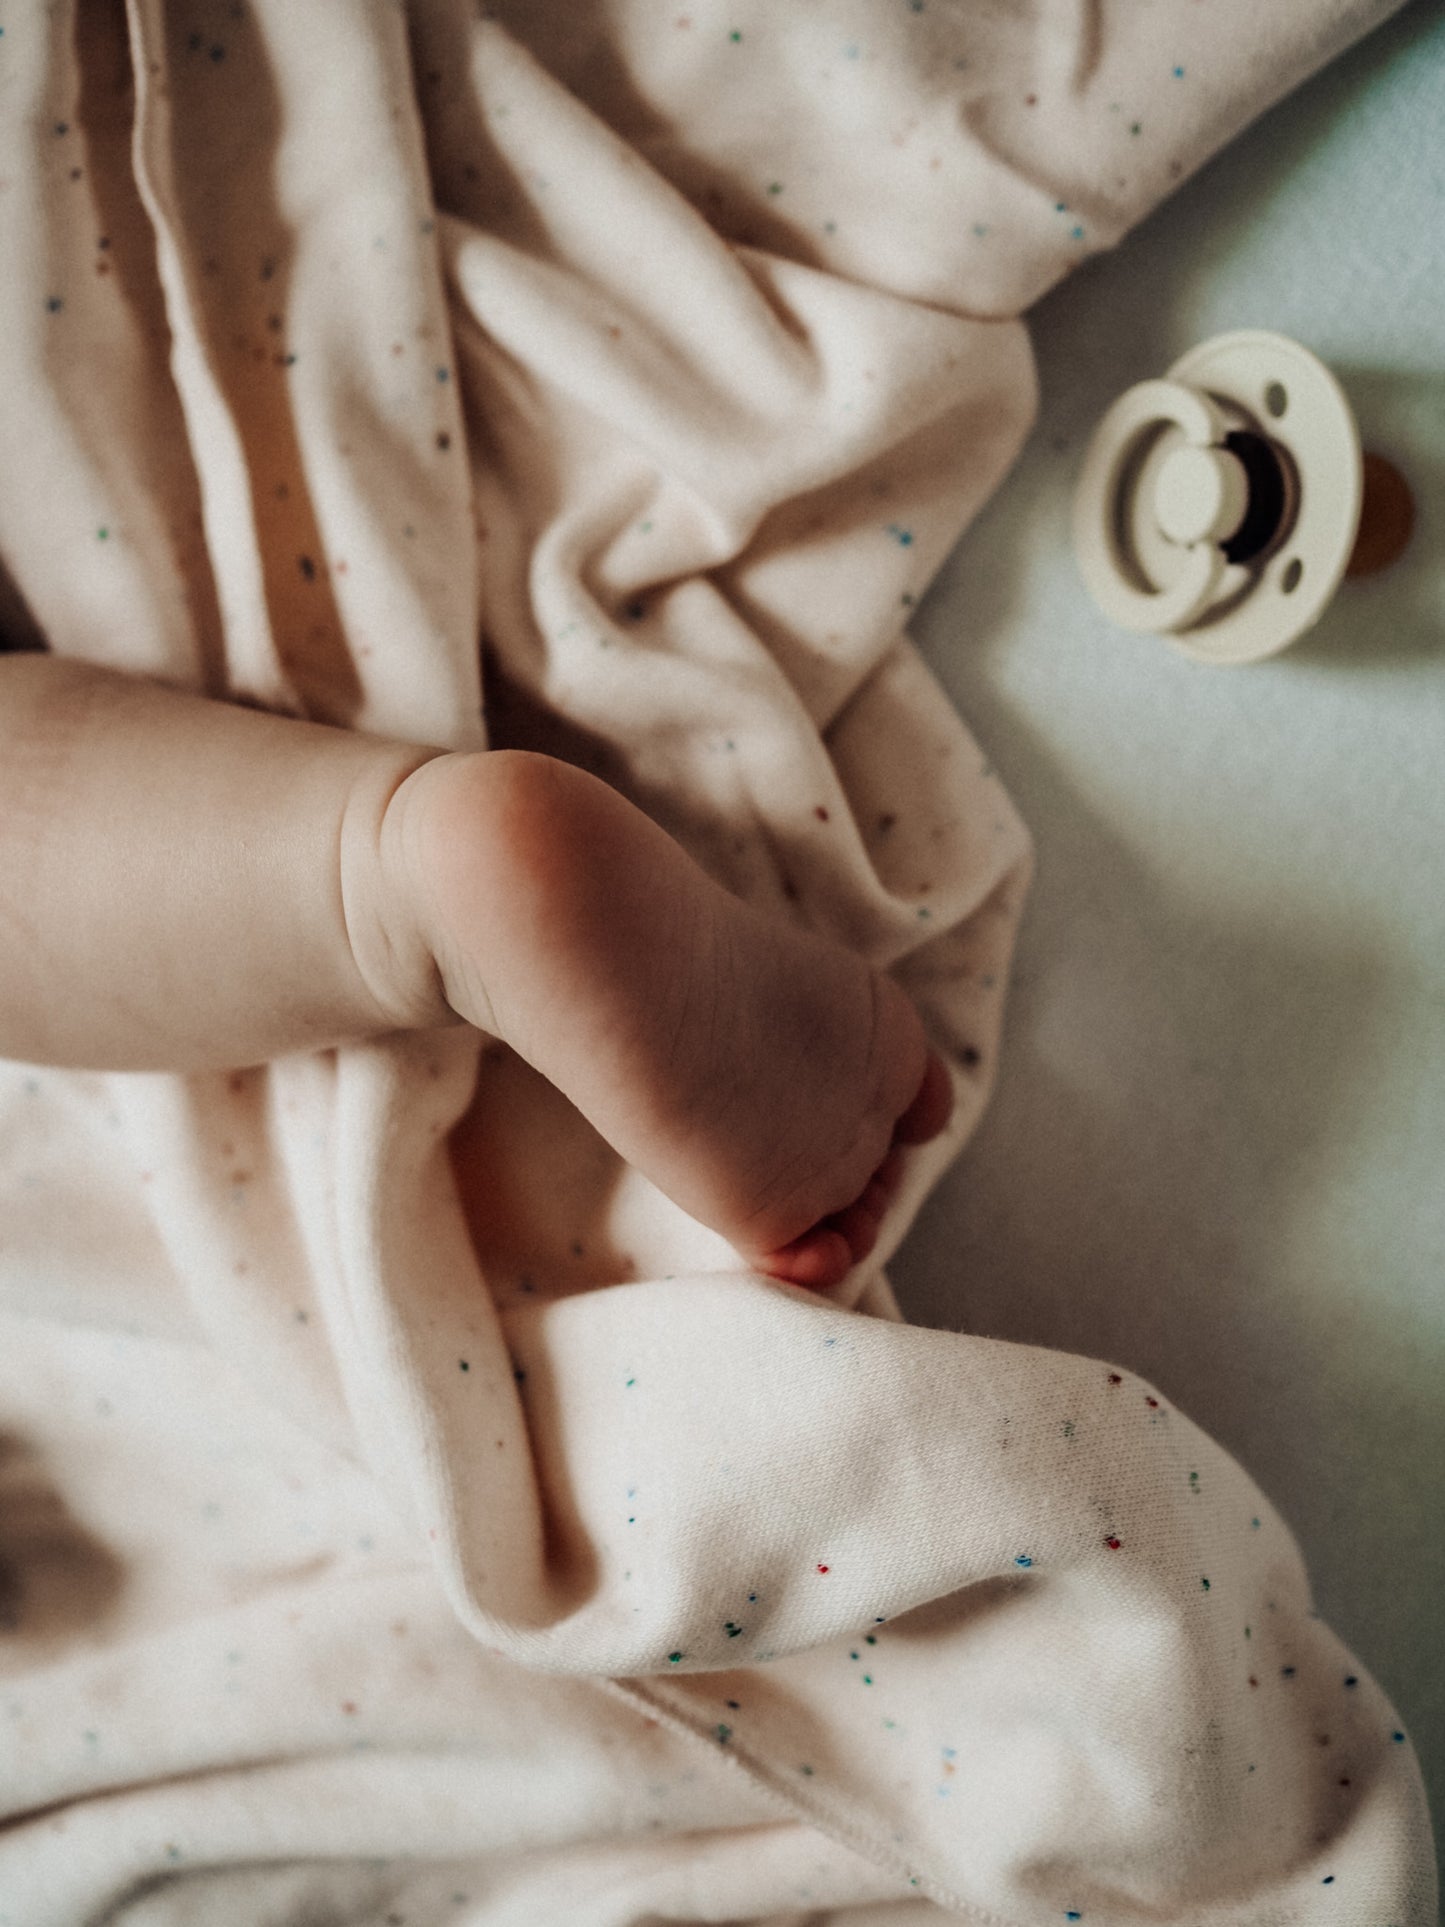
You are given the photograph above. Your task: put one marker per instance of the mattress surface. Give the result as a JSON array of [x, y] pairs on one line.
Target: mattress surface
[[1214, 1152]]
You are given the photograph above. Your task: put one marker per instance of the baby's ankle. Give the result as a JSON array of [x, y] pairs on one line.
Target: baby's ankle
[[391, 891], [455, 844]]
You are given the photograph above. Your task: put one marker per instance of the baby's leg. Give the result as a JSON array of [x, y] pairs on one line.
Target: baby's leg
[[758, 1073]]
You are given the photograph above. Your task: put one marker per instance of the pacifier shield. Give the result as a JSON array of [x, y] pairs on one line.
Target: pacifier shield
[[1219, 506]]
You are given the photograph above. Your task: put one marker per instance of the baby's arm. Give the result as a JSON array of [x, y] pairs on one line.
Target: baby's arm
[[188, 884]]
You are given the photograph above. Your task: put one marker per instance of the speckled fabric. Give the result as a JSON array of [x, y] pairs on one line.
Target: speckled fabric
[[607, 378]]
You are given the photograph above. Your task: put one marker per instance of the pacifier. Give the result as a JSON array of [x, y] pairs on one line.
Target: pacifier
[[1222, 505]]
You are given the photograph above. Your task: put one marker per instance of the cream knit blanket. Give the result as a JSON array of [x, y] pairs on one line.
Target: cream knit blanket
[[607, 377]]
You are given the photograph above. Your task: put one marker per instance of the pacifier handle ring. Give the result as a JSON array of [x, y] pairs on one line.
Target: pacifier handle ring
[[1148, 405]]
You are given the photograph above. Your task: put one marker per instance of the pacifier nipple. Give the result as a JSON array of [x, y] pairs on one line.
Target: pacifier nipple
[[1387, 519], [1220, 506]]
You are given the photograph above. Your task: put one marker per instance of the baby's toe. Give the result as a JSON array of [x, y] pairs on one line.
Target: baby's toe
[[931, 1108], [818, 1260]]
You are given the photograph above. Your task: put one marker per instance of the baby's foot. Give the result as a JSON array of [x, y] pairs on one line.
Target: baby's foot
[[760, 1075]]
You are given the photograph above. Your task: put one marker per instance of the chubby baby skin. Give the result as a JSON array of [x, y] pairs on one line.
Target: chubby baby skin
[[188, 884]]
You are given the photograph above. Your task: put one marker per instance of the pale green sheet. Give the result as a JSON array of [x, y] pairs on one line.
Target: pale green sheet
[[1217, 1150]]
